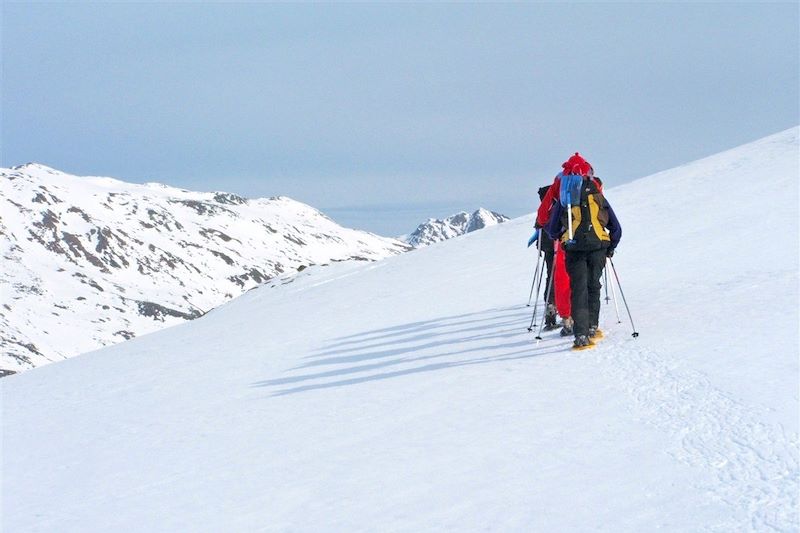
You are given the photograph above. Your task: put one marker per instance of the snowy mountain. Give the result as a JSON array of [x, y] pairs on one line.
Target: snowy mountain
[[407, 394], [89, 262], [436, 230]]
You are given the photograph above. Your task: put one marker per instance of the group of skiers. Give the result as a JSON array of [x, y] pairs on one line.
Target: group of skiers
[[577, 231]]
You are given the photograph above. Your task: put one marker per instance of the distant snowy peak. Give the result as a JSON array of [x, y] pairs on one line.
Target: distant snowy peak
[[435, 230], [90, 261]]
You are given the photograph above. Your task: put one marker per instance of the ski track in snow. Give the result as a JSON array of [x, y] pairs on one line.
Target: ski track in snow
[[755, 465]]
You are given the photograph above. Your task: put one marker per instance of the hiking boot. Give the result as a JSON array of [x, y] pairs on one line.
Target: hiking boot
[[550, 318], [566, 331], [581, 341], [592, 332]]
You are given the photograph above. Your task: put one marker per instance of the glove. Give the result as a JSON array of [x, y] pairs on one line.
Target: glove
[[533, 238], [610, 253]]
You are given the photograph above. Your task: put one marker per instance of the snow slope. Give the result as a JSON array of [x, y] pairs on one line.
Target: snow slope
[[436, 230], [93, 261], [407, 395]]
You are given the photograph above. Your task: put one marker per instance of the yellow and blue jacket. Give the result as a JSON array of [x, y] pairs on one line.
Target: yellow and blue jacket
[[594, 224]]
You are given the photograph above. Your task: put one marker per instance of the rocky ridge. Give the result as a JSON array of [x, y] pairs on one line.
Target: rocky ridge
[[92, 261], [436, 230]]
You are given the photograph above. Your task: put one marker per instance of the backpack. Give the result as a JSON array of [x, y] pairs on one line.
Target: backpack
[[585, 213]]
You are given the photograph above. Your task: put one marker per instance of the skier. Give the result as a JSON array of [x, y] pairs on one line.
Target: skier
[[581, 230]]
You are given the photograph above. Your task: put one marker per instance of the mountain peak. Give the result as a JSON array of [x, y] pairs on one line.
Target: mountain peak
[[34, 167], [436, 230]]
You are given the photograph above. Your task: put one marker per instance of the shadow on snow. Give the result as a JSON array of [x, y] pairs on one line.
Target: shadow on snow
[[349, 352]]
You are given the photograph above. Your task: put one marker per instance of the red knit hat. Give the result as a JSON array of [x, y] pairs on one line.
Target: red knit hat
[[576, 165]]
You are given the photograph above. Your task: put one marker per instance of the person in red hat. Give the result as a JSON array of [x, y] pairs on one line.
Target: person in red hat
[[588, 231], [561, 283]]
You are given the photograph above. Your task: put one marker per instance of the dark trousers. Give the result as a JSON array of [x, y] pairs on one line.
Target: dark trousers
[[585, 269], [549, 258]]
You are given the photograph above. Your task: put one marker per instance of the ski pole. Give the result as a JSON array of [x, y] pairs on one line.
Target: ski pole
[[613, 293], [538, 288], [538, 292], [533, 283], [569, 218], [635, 333], [605, 284], [546, 299], [536, 303], [569, 209], [536, 271]]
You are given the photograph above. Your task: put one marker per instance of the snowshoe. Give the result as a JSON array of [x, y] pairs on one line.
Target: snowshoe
[[595, 332], [550, 318], [566, 330], [582, 342]]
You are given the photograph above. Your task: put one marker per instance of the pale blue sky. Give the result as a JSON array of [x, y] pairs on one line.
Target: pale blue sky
[[383, 115]]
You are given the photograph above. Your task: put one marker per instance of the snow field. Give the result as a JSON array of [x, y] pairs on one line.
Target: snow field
[[407, 395]]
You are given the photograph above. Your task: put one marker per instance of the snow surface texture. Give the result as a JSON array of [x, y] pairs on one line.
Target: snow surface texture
[[407, 395], [435, 230], [89, 262]]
